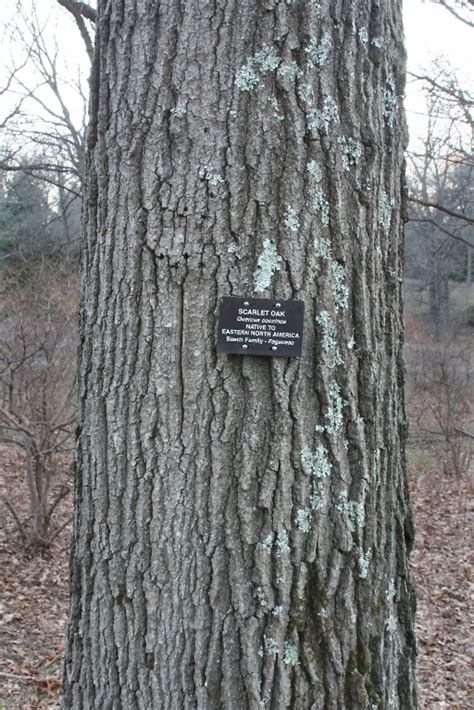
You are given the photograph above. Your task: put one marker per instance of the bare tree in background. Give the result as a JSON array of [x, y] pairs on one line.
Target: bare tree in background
[[47, 108], [439, 394], [451, 107], [43, 126], [440, 234], [37, 391]]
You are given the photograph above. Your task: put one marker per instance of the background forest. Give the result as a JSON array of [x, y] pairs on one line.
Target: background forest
[[42, 146]]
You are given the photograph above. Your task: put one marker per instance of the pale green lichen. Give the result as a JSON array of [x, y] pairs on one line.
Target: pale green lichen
[[282, 543], [268, 263], [339, 287], [321, 205], [277, 610], [314, 170], [329, 342], [350, 344], [377, 42], [247, 78], [390, 100], [303, 520], [261, 597], [180, 109], [354, 511], [207, 173], [316, 463], [265, 61], [351, 151], [291, 654], [322, 119], [391, 624], [318, 52], [334, 417], [289, 70], [305, 94], [270, 647], [322, 248], [363, 36], [364, 561], [386, 206], [318, 199], [276, 109], [267, 543], [236, 250], [390, 592], [317, 501], [375, 463], [291, 219], [318, 119]]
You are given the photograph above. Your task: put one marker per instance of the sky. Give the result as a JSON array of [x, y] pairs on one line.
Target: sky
[[430, 30]]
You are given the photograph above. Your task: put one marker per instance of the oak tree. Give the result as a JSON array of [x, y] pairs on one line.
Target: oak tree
[[242, 523]]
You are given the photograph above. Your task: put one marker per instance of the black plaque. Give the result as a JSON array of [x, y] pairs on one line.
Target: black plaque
[[260, 326]]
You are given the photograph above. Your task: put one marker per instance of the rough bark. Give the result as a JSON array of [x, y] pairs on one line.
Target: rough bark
[[242, 523]]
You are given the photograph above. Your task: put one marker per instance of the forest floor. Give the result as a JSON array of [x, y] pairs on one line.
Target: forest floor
[[33, 601]]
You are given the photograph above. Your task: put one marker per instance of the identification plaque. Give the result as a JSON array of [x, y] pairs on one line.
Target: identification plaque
[[260, 326]]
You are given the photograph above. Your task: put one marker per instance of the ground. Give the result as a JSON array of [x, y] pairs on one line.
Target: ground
[[33, 605], [442, 564], [33, 602]]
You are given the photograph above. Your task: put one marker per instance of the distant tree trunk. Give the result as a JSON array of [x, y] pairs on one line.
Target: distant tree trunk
[[242, 523], [438, 289]]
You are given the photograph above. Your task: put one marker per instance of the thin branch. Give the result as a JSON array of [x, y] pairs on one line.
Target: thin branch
[[453, 91], [59, 531], [37, 171], [441, 208], [464, 433], [81, 7], [442, 229], [62, 494], [79, 10], [20, 678], [14, 516], [451, 9]]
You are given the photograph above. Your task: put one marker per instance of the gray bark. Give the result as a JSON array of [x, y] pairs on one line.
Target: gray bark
[[242, 523]]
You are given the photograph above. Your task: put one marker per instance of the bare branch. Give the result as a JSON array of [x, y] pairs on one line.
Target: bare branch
[[39, 122], [445, 231], [81, 7], [451, 90], [464, 433], [447, 6], [80, 10], [15, 517], [441, 208]]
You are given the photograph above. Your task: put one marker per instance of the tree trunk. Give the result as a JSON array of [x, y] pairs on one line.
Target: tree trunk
[[242, 523], [438, 290]]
